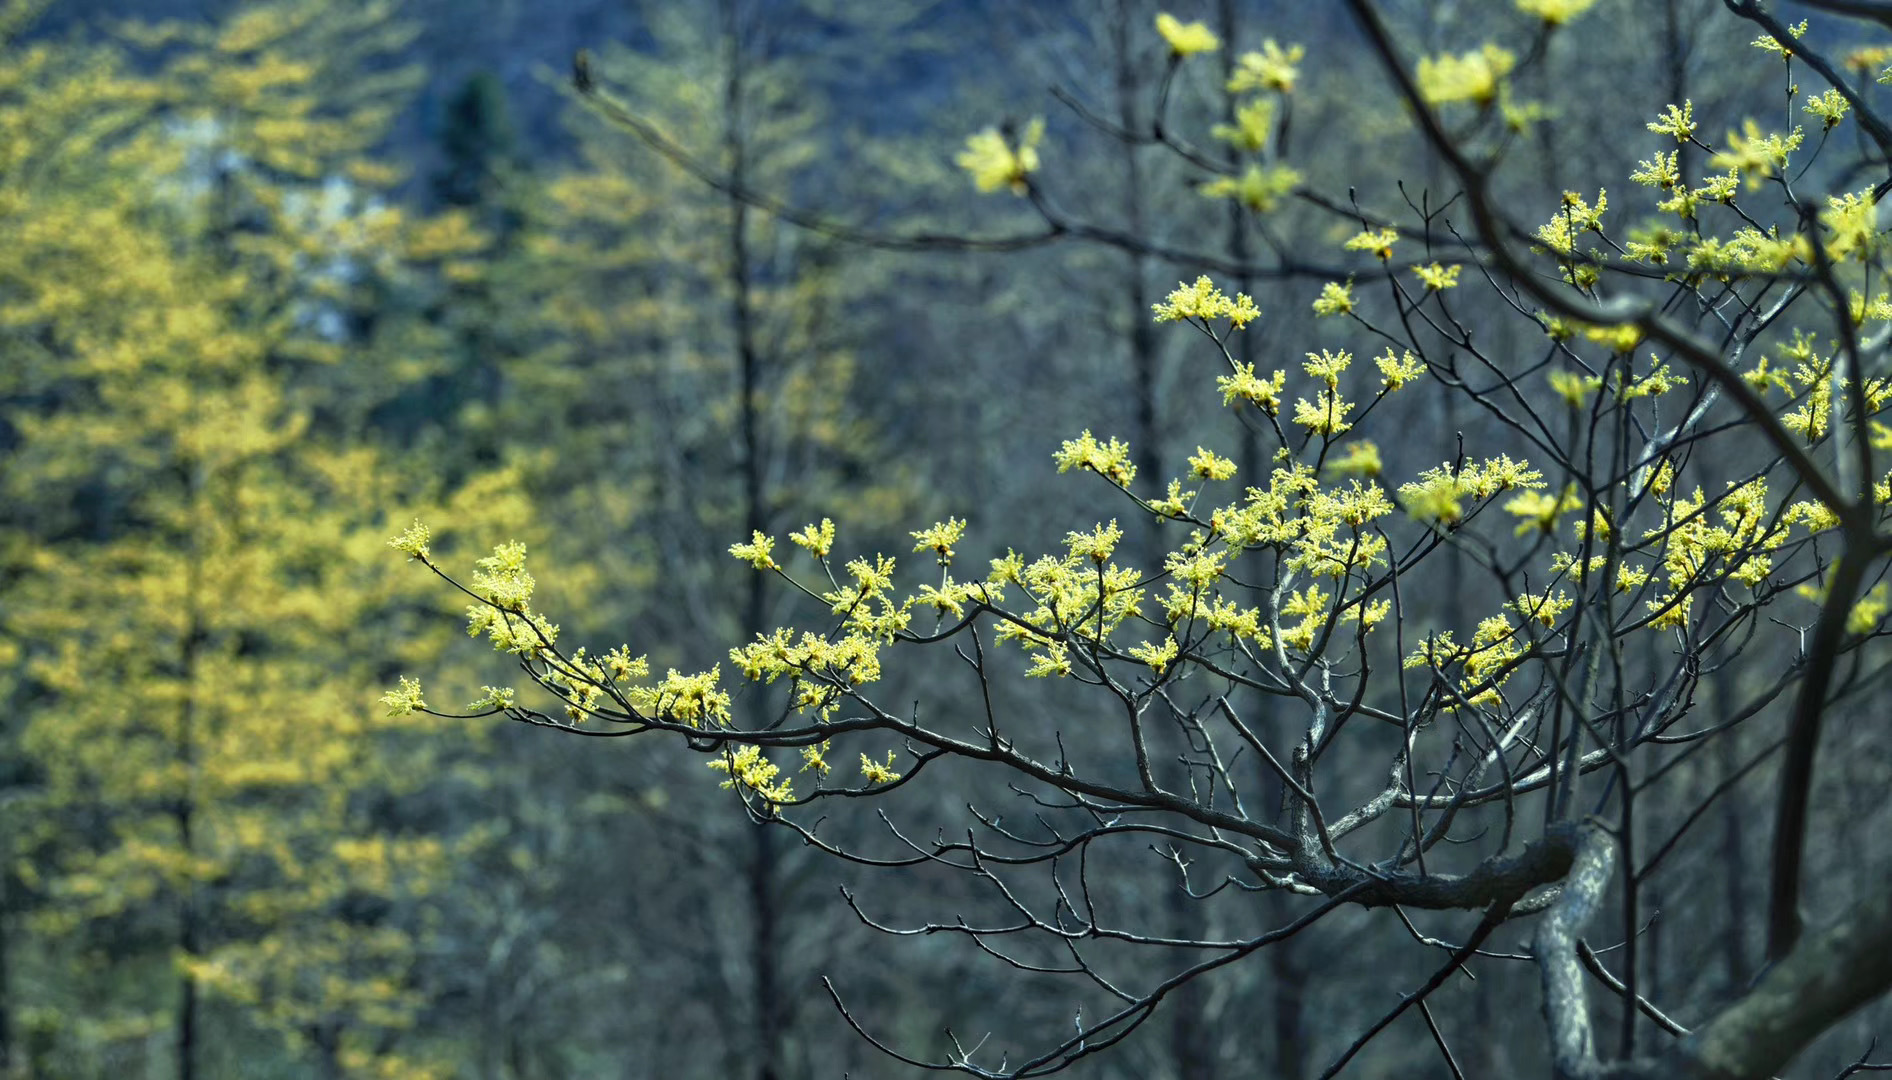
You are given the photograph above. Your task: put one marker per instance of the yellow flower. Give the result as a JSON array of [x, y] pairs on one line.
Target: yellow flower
[[757, 552], [1273, 68], [1438, 278], [1719, 189], [1186, 39], [1249, 387], [413, 541], [1868, 611], [1111, 459], [876, 773], [995, 163], [1574, 388], [1520, 115], [1210, 465], [1048, 662], [1334, 299], [1435, 498], [940, 539], [1757, 155], [1260, 189], [1328, 366], [1555, 12], [1326, 416], [1664, 172], [1254, 122], [748, 768], [1621, 337], [1830, 107], [1397, 371], [1204, 301], [1678, 121], [1576, 217], [1868, 58], [1878, 307], [492, 697], [1095, 545], [1540, 511], [1156, 656], [1360, 459], [404, 699], [1545, 608], [818, 540], [1768, 43], [814, 757], [1671, 613], [691, 699], [1438, 650], [1380, 243], [1471, 77], [502, 579], [1854, 222]]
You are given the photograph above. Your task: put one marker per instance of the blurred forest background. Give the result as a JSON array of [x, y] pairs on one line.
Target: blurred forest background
[[278, 278]]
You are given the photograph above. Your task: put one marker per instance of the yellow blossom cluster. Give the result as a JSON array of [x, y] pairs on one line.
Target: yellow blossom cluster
[[1756, 154], [1437, 277], [748, 769], [1275, 67], [1574, 218], [1081, 597], [1202, 302], [1437, 496], [1186, 39], [1483, 666], [1253, 126], [1260, 188], [1771, 44], [505, 614], [1360, 458], [1246, 386], [1110, 460], [1540, 511], [1555, 12], [1378, 241], [877, 772], [1334, 299], [939, 538], [817, 540], [1474, 77], [996, 161], [1694, 549]]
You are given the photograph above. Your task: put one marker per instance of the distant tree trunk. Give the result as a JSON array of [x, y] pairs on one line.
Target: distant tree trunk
[[1287, 975], [327, 1039], [515, 1052], [1142, 330], [763, 882], [1655, 986], [1286, 1055], [1677, 46], [1288, 1060], [6, 973], [188, 944], [1190, 1051], [1733, 860], [189, 921]]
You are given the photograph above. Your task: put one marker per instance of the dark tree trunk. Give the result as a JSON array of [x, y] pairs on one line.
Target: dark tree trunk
[[765, 947]]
